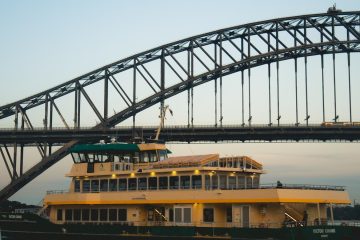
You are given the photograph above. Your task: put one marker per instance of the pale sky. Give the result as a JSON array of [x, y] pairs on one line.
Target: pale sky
[[45, 43]]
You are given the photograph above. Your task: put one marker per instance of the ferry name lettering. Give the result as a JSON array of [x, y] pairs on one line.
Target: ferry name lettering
[[320, 230], [13, 216]]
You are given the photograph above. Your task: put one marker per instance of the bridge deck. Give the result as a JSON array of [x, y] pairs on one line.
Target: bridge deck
[[182, 133]]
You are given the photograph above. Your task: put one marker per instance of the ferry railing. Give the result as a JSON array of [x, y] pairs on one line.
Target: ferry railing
[[302, 186], [209, 188], [49, 192], [213, 228]]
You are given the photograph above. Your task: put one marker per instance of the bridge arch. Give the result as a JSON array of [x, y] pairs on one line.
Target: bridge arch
[[253, 45]]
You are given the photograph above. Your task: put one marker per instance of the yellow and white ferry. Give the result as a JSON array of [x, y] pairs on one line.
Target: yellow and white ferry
[[139, 185]]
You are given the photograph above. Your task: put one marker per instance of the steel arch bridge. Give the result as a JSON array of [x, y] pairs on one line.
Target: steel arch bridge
[[180, 67]]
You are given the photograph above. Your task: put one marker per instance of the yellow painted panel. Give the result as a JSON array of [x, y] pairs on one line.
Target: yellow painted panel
[[202, 196], [151, 146]]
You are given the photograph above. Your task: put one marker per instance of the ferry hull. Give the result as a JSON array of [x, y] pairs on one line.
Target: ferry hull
[[45, 230]]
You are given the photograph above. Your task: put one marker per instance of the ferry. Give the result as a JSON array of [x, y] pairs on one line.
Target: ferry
[[128, 186]]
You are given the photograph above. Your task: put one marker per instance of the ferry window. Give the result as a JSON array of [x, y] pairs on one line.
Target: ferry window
[[232, 182], [163, 183], [152, 183], [207, 182], [94, 185], [182, 215], [153, 157], [178, 214], [127, 167], [196, 181], [236, 163], [112, 215], [248, 182], [187, 215], [96, 158], [223, 181], [174, 182], [108, 158], [214, 181], [122, 214], [256, 181], [116, 167], [94, 214], [85, 214], [113, 185], [171, 214], [241, 182], [127, 157], [142, 183], [132, 184], [184, 182], [82, 157], [229, 214], [103, 214], [104, 185], [208, 215], [213, 164], [162, 155], [77, 185], [86, 186], [59, 215], [75, 157], [222, 163], [150, 214], [122, 184], [77, 215], [68, 215], [136, 157], [145, 157]]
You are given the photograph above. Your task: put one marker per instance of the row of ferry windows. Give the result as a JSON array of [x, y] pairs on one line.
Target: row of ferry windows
[[164, 183], [112, 215], [137, 157], [177, 214], [150, 183]]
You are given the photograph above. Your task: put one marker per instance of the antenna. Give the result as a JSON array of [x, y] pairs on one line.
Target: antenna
[[163, 110]]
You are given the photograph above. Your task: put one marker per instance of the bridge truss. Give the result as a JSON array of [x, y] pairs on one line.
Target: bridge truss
[[181, 66]]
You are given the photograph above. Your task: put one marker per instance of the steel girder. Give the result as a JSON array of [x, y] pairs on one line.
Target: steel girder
[[273, 34], [292, 26]]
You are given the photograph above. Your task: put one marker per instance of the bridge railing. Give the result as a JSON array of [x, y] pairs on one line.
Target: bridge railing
[[202, 126]]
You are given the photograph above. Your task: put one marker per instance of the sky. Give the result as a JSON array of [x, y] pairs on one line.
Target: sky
[[45, 43]]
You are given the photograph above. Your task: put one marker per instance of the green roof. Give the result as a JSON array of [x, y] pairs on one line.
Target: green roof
[[111, 147]]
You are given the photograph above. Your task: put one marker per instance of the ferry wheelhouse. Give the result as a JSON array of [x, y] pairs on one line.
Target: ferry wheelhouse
[[139, 185]]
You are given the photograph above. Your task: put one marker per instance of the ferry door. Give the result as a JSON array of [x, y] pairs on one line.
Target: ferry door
[[236, 211], [241, 216], [245, 216]]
